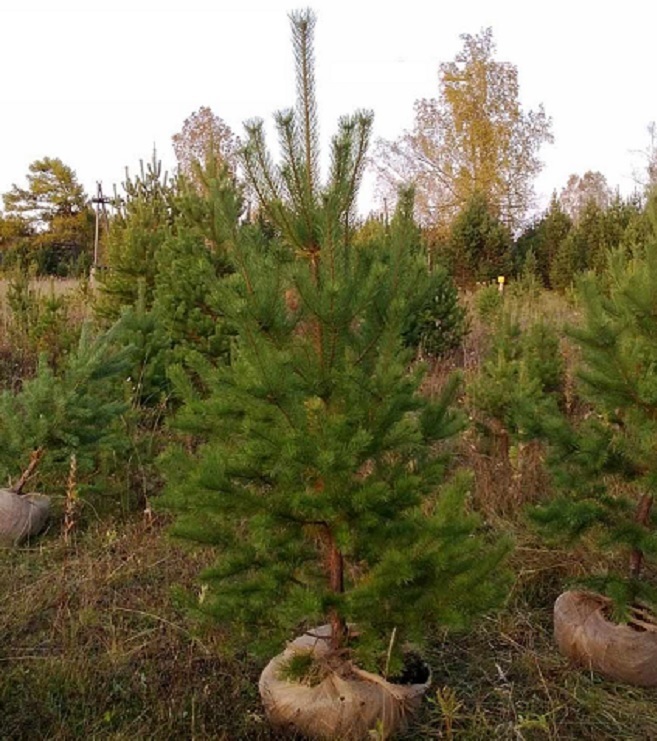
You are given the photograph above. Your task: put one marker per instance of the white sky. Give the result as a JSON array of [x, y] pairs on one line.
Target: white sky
[[98, 84]]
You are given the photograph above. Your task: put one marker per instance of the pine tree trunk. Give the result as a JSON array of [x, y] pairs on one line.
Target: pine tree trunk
[[335, 563], [642, 517]]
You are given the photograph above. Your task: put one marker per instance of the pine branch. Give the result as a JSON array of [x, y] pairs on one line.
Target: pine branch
[[288, 141], [261, 173], [303, 26], [364, 121], [259, 165], [299, 195]]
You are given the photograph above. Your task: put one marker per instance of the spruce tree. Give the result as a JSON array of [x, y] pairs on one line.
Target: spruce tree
[[604, 464], [319, 472]]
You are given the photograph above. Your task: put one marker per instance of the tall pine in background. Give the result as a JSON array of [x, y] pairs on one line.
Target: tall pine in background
[[317, 472]]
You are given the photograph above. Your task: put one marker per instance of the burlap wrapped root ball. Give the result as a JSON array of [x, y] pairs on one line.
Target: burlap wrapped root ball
[[585, 635], [344, 707], [21, 516]]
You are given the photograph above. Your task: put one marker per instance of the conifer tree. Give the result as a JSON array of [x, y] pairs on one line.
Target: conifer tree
[[436, 323], [584, 248], [598, 230], [605, 465], [317, 473], [544, 239], [51, 221], [522, 378], [147, 214], [522, 373], [77, 411], [192, 262], [167, 256], [479, 246]]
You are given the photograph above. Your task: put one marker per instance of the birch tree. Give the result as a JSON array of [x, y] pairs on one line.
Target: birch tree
[[474, 137]]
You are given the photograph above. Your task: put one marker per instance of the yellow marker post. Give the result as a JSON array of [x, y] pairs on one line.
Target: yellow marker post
[[500, 283]]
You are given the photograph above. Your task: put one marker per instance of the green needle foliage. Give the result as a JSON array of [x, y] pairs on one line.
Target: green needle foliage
[[167, 256], [436, 322], [479, 247], [318, 472], [193, 261], [523, 374], [606, 465], [78, 411], [145, 218]]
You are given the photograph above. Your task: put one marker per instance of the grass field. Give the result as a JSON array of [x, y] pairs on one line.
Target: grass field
[[95, 647]]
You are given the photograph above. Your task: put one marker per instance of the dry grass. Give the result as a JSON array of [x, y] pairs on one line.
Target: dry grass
[[507, 475], [95, 647], [45, 286]]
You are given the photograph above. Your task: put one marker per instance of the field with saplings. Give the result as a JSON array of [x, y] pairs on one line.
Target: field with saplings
[[271, 468]]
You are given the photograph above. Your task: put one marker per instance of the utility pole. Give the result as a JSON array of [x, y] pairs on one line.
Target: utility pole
[[100, 201]]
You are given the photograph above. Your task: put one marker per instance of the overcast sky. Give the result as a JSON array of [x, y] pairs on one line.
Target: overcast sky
[[98, 84]]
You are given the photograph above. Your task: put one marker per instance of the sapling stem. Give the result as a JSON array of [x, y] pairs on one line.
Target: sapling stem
[[35, 457], [642, 517]]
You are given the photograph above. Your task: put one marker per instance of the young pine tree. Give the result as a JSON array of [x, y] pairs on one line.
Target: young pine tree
[[605, 466], [192, 262], [77, 411], [436, 322], [317, 473], [146, 217], [543, 239], [479, 247]]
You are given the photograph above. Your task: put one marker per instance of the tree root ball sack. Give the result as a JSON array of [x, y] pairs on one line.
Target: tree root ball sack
[[337, 707], [584, 634], [21, 516]]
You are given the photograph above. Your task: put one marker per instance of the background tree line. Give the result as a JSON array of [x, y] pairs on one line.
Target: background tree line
[[472, 157]]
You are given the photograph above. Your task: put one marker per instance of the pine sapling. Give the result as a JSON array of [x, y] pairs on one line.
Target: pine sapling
[[311, 462], [604, 464]]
